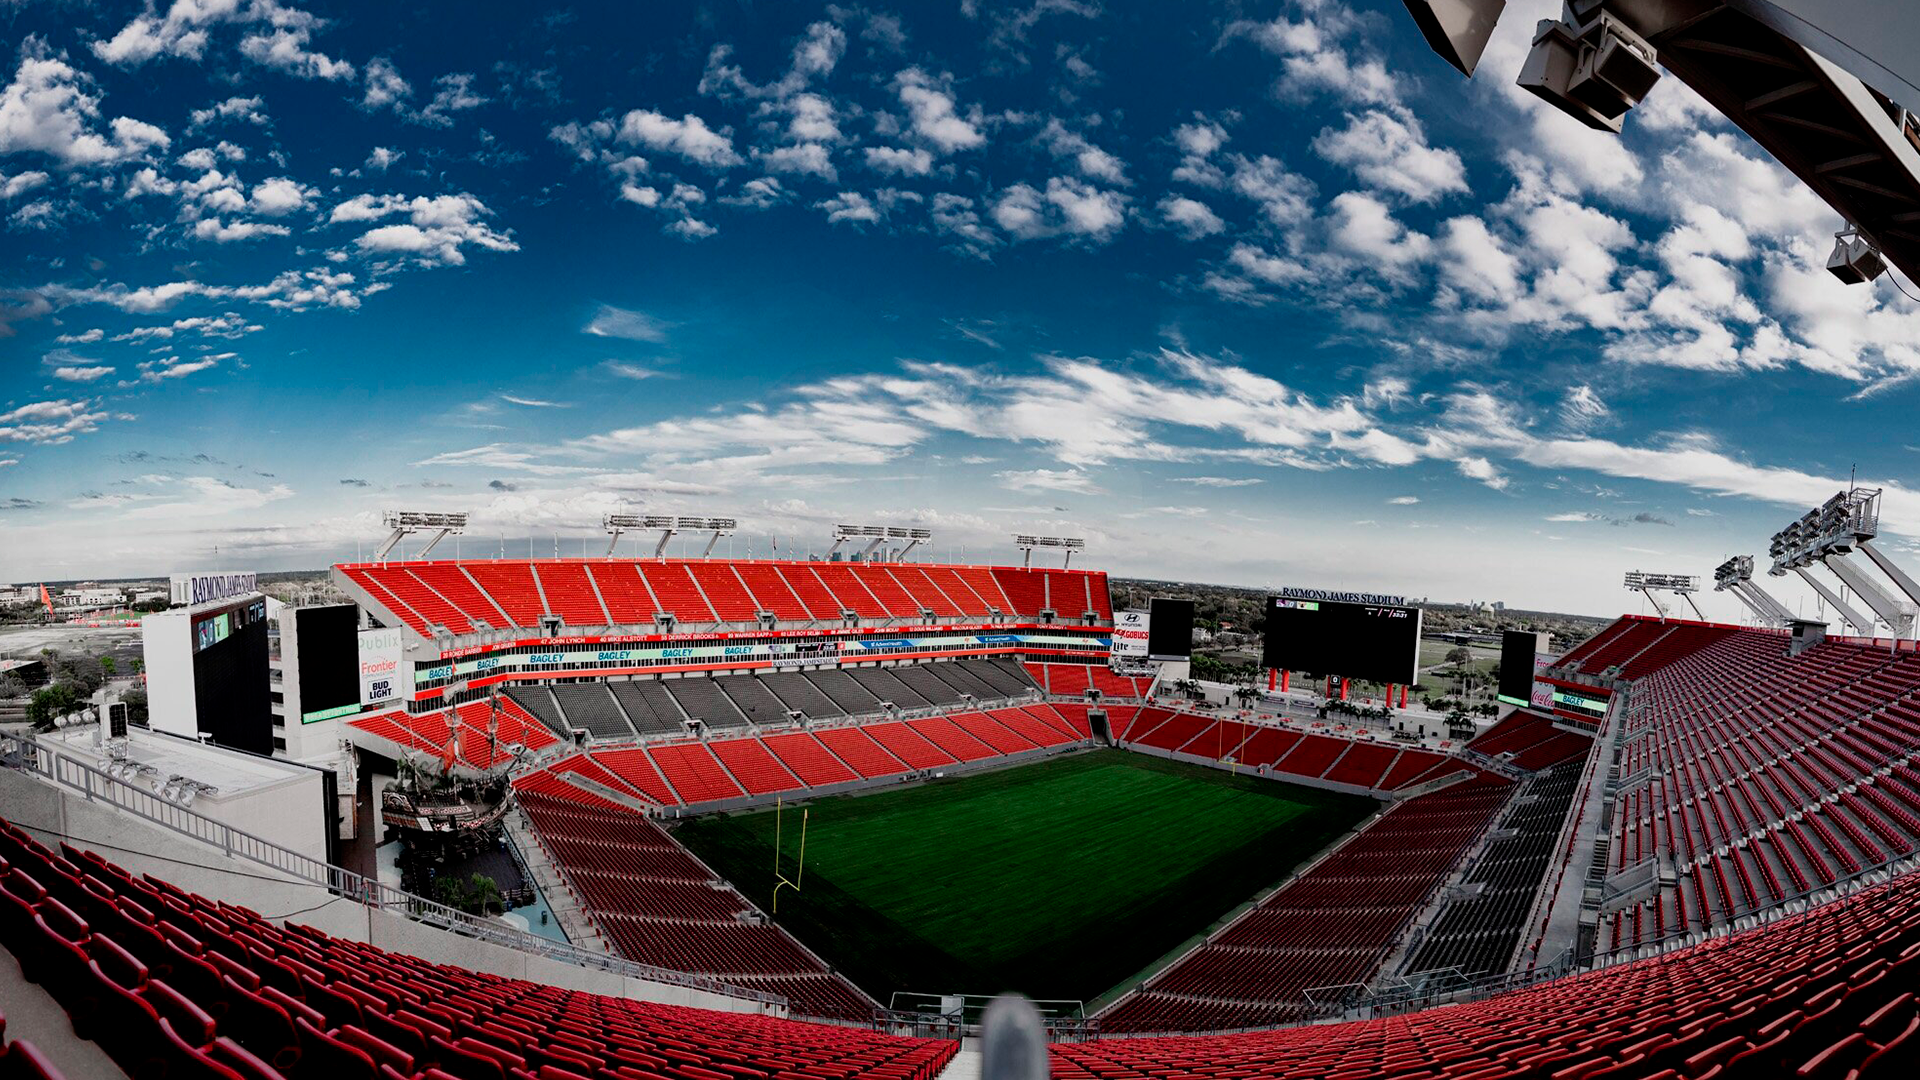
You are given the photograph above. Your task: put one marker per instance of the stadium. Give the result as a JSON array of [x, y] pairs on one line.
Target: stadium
[[864, 812], [802, 818]]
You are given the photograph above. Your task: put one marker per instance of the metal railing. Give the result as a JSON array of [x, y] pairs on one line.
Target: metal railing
[[96, 786]]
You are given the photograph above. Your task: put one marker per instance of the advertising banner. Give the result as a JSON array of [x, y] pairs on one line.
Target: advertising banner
[[188, 589], [380, 666], [1130, 633]]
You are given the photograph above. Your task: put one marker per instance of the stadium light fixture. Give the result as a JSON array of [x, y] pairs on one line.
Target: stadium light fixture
[[876, 536], [1736, 576], [1026, 544], [1855, 260], [1682, 585], [406, 522], [1829, 533]]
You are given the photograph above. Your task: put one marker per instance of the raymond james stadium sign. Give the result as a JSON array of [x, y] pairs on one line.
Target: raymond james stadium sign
[[1338, 597], [200, 588]]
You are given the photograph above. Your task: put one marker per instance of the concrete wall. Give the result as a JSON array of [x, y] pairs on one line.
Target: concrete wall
[[54, 814]]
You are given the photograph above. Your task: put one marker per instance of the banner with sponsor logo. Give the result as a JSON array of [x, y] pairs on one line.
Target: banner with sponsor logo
[[779, 654], [189, 589], [1130, 629], [380, 666]]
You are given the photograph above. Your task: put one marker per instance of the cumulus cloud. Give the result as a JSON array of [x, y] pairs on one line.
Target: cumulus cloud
[[899, 161], [1389, 151], [51, 108], [689, 137], [438, 229], [1067, 207], [934, 116], [1193, 218]]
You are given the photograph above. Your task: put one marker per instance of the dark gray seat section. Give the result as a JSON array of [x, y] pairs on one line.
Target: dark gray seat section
[[793, 688], [591, 706], [650, 707]]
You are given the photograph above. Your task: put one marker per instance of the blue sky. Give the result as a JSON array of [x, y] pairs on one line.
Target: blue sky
[[1253, 293]]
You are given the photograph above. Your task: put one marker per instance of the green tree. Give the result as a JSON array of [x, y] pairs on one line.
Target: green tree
[[136, 702], [50, 703], [107, 665], [1459, 656]]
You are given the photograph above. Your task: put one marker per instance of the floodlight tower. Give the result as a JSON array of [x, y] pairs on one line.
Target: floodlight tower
[[1826, 535], [1682, 585], [913, 537], [719, 527], [1736, 576], [404, 523], [667, 524], [1830, 88], [1026, 544], [615, 524]]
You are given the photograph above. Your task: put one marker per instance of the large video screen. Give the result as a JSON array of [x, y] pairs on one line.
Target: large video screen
[[329, 656], [1374, 642], [1517, 649], [230, 683], [1170, 629]]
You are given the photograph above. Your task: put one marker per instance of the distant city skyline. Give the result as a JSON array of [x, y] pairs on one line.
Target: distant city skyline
[[1242, 293]]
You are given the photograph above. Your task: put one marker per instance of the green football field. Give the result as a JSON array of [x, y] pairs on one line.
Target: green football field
[[1059, 879]]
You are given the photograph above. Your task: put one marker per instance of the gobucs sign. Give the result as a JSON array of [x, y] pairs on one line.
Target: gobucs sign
[[199, 588], [1130, 635]]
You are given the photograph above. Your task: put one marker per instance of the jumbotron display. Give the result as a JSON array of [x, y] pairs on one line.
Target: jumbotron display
[[1376, 642]]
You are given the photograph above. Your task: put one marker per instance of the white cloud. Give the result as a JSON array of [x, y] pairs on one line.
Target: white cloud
[[12, 187], [452, 93], [629, 325], [384, 85], [51, 423], [935, 117], [850, 206], [1404, 500], [246, 110], [1047, 480], [807, 159], [438, 231], [1091, 161], [1390, 152], [281, 196], [382, 159], [49, 108], [67, 373], [1479, 468], [899, 161], [622, 369], [224, 233], [285, 49], [1218, 481], [1067, 207], [1192, 217], [1582, 409], [689, 137], [1198, 142], [1285, 197]]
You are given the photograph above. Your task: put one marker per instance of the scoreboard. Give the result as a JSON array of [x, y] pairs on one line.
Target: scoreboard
[[1373, 642]]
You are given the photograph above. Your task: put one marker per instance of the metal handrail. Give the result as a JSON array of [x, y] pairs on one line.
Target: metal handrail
[[97, 786]]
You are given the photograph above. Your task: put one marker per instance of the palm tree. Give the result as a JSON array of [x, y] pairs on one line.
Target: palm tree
[[1246, 695], [1189, 687]]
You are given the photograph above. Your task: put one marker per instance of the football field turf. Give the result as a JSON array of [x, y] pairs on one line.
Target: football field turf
[[1059, 879]]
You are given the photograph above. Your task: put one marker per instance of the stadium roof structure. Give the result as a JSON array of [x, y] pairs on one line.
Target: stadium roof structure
[[1829, 87]]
